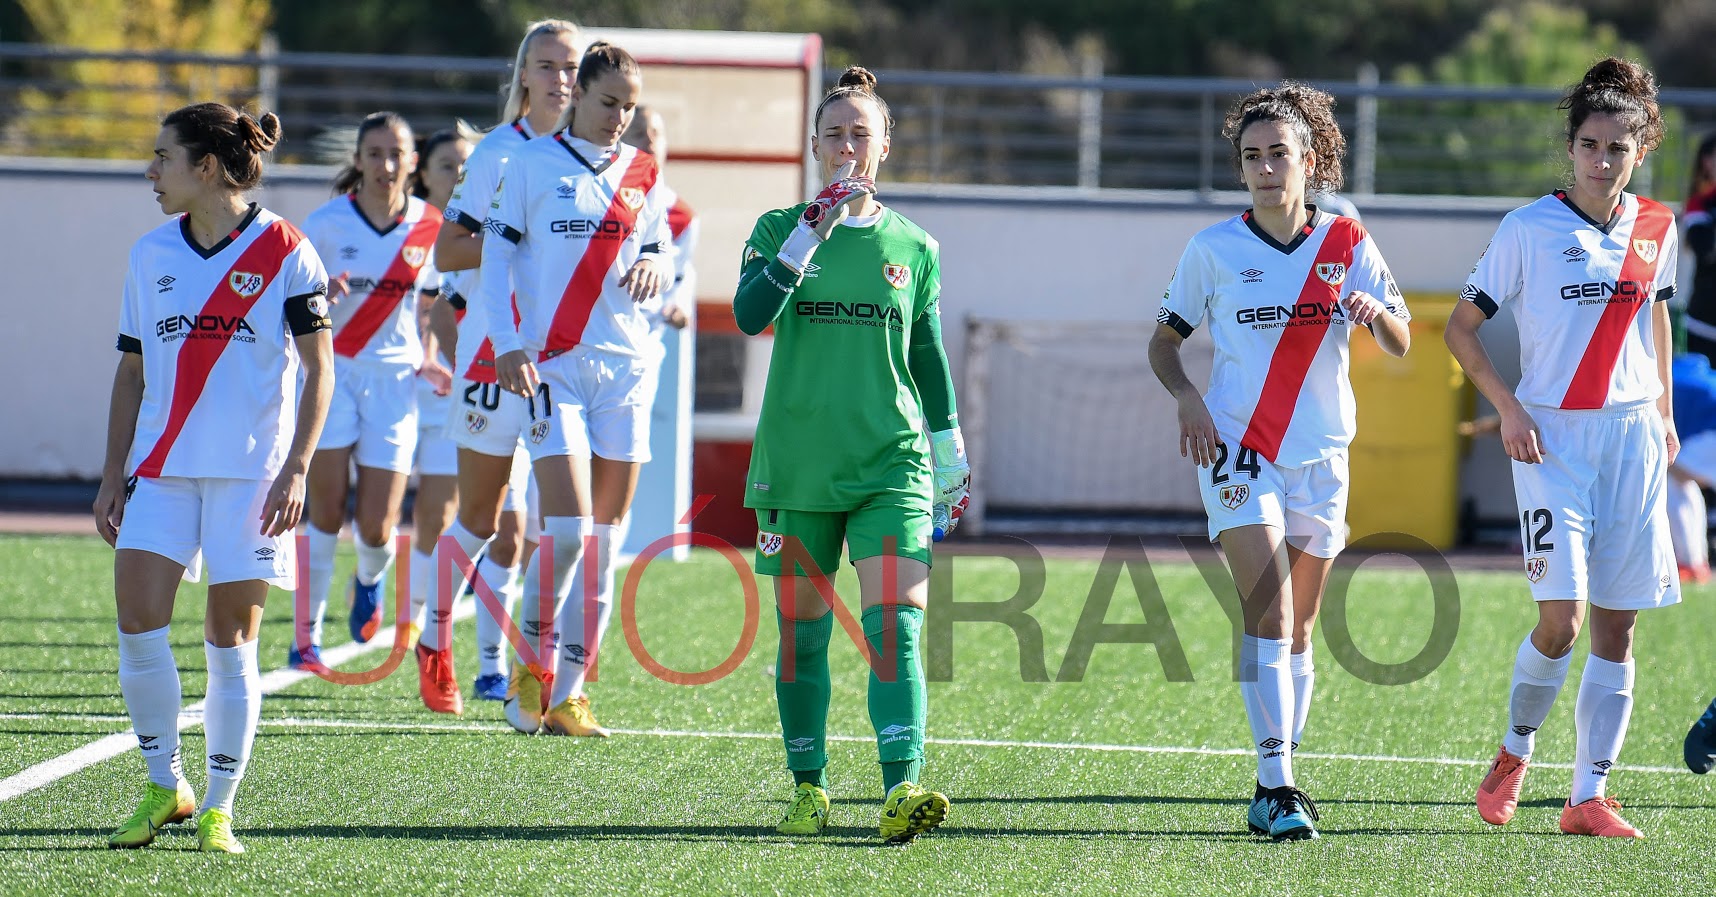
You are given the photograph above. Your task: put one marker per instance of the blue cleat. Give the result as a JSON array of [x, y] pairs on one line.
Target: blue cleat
[[1701, 742], [309, 661], [366, 611], [491, 687], [1284, 814]]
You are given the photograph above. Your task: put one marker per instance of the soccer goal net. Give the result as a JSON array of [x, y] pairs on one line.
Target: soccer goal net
[[1068, 429]]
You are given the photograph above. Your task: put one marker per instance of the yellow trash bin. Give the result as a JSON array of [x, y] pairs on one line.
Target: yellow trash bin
[[1405, 460]]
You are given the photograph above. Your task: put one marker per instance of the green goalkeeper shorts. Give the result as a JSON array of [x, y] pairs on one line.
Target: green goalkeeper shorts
[[814, 537]]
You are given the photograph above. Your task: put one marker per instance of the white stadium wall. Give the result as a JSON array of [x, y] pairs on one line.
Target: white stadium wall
[[1013, 255]]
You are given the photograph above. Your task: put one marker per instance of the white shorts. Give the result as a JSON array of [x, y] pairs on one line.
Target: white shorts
[[188, 520], [592, 402], [486, 419], [1594, 515], [1698, 457], [1309, 503], [437, 456], [375, 409]]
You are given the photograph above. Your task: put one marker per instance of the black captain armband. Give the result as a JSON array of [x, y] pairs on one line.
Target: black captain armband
[[463, 220], [1165, 316], [455, 300], [1665, 294], [130, 344], [1473, 294], [308, 313], [503, 230]]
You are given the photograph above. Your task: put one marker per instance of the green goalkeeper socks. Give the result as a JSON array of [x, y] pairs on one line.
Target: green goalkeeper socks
[[898, 705], [803, 658]]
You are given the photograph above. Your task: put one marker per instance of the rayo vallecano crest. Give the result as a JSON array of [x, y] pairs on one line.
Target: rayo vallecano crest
[[1646, 250], [1332, 273]]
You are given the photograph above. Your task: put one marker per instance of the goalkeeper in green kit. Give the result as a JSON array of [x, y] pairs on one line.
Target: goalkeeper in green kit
[[857, 378]]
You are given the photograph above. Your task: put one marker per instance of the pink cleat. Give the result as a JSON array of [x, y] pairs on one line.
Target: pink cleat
[[1598, 816], [1498, 796]]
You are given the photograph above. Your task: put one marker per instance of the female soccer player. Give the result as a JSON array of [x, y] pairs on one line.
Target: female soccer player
[[488, 423], [580, 228], [1590, 430], [862, 324], [1701, 239], [1283, 286], [442, 158], [381, 237], [206, 451]]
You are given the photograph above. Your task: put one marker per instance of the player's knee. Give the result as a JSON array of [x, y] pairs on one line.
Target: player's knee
[[1554, 636], [374, 533], [506, 549]]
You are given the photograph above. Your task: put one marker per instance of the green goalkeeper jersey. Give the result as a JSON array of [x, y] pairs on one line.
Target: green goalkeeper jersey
[[842, 421]]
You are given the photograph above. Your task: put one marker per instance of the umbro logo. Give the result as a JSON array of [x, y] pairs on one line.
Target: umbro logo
[[801, 745], [265, 554], [566, 190], [575, 654], [810, 269], [147, 742], [1603, 766], [1524, 730], [348, 252], [895, 730], [1574, 254], [222, 762], [1270, 744], [1252, 275], [166, 284]]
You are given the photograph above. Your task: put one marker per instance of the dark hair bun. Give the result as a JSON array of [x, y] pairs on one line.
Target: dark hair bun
[[859, 77], [1615, 73], [259, 135]]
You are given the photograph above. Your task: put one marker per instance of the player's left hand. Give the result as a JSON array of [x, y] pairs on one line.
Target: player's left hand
[[1671, 439], [645, 279], [440, 379], [285, 503], [952, 481], [339, 287], [1363, 308], [674, 316]]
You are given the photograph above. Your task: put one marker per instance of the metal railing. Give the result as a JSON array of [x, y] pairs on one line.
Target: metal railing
[[953, 127]]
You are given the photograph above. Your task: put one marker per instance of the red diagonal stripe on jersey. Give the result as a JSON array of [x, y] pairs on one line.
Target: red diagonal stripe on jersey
[[482, 366], [1596, 370], [679, 218], [380, 304], [1298, 345], [197, 357], [585, 287]]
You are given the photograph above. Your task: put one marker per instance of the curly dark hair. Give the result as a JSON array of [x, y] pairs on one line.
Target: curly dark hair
[[1309, 112], [1620, 88]]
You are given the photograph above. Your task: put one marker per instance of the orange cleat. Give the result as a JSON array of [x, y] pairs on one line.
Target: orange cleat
[[1598, 816], [436, 682], [1498, 796]]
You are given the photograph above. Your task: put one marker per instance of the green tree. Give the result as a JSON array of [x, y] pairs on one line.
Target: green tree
[[115, 108], [1495, 148]]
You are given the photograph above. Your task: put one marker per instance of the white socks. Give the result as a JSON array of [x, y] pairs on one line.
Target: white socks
[[580, 636], [566, 534], [230, 712], [422, 584], [491, 637], [149, 681], [1304, 677], [1266, 684], [1536, 682], [374, 560], [438, 623], [1601, 715], [321, 579]]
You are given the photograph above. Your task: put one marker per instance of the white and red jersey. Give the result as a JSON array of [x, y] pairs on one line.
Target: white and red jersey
[[575, 217], [385, 267], [1279, 384], [682, 223], [215, 327], [1584, 342], [468, 207]]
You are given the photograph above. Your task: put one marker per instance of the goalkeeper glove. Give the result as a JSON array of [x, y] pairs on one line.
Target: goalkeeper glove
[[952, 481], [824, 213]]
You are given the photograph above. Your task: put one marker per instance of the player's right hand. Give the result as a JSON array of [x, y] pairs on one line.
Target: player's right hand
[[1521, 437], [110, 508], [1198, 435], [515, 374], [834, 203]]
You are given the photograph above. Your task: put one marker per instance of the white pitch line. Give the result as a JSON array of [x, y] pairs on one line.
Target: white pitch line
[[49, 771], [485, 728]]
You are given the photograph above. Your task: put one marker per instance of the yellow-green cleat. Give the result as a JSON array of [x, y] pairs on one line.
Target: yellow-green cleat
[[910, 811], [214, 833], [160, 807], [808, 812]]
